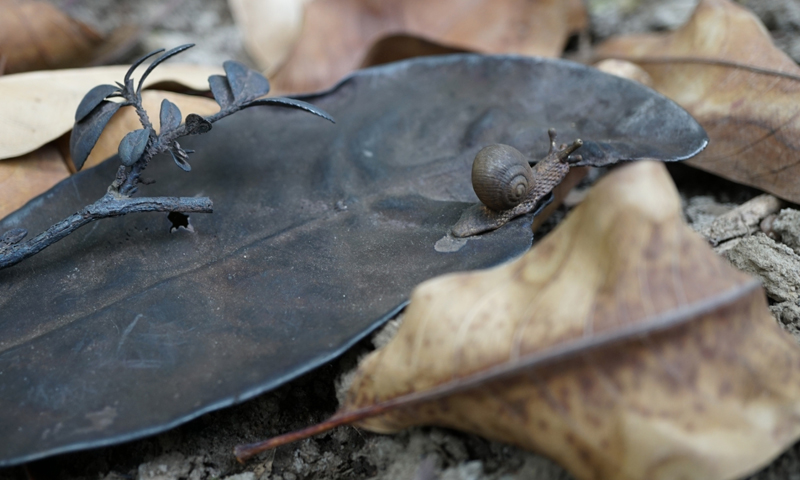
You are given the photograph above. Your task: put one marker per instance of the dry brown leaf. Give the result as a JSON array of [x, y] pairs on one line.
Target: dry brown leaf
[[126, 120], [336, 35], [39, 107], [620, 345], [38, 36], [26, 177], [724, 69]]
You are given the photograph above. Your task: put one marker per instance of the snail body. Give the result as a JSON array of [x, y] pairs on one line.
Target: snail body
[[508, 187], [501, 177]]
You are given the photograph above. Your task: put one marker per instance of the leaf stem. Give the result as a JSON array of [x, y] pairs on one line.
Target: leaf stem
[[110, 205]]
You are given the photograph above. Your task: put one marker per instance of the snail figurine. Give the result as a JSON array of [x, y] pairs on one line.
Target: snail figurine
[[508, 186], [501, 176]]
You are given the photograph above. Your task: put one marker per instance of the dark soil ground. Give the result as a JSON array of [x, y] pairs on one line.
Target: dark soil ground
[[202, 449]]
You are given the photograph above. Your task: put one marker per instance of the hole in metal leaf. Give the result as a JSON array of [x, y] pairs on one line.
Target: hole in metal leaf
[[179, 221]]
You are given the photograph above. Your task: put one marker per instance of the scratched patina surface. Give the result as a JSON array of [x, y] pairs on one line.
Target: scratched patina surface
[[319, 233]]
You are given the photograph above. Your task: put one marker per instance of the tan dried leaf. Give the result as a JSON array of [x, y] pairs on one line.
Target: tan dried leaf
[[724, 69], [39, 107], [126, 120], [28, 176], [620, 346], [337, 35]]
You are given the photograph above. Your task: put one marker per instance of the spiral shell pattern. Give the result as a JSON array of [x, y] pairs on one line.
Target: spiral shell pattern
[[501, 177]]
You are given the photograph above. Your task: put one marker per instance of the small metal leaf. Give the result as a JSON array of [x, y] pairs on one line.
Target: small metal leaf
[[93, 99], [13, 236], [160, 59], [170, 115], [221, 90], [196, 125], [132, 146], [86, 132], [180, 156], [139, 62], [291, 103], [246, 84]]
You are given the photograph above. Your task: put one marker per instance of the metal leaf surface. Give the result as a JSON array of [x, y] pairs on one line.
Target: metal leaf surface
[[180, 156], [221, 90], [92, 99], [86, 132], [246, 84], [166, 56], [132, 146], [197, 125], [138, 62], [291, 103], [319, 233], [170, 116]]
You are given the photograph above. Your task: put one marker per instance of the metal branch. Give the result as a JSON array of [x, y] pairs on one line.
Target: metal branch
[[118, 200], [109, 206]]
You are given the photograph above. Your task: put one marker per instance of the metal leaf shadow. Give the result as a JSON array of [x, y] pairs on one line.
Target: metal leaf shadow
[[319, 233]]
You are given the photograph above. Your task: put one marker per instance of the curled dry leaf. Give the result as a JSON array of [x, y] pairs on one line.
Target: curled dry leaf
[[26, 177], [620, 345], [39, 107], [724, 69], [126, 120], [337, 35]]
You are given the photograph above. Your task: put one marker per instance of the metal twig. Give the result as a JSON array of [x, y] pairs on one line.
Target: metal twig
[[107, 207]]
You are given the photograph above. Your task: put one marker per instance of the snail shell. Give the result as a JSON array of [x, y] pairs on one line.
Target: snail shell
[[501, 176]]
